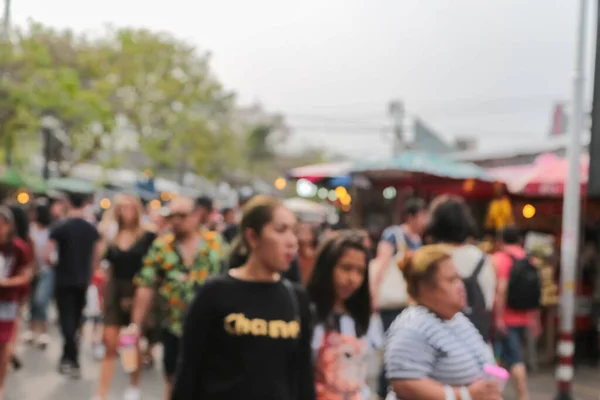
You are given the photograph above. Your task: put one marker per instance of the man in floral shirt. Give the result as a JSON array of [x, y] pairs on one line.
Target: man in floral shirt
[[174, 266]]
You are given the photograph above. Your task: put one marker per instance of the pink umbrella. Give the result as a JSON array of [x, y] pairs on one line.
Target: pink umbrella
[[549, 175]]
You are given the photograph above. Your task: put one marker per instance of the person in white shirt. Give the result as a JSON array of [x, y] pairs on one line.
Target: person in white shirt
[[452, 223]]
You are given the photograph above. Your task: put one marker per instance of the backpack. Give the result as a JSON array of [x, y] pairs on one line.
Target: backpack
[[524, 285], [476, 309]]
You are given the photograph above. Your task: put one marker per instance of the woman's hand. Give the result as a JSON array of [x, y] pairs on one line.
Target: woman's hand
[[484, 390]]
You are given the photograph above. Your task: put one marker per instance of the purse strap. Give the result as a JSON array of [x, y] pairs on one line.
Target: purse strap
[[294, 298]]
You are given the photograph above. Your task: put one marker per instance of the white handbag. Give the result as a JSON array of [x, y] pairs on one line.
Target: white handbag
[[391, 291]]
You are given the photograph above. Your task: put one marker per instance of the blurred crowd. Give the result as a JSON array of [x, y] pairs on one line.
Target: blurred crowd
[[251, 303]]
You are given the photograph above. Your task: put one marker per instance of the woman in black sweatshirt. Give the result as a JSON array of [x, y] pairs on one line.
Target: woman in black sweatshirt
[[248, 333]]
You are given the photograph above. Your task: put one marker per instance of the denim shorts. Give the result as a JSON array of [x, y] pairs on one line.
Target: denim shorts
[[42, 295], [507, 348]]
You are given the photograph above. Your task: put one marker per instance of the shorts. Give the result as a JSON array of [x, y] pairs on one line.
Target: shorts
[[152, 328], [7, 331], [43, 289], [118, 302], [170, 344], [507, 348]]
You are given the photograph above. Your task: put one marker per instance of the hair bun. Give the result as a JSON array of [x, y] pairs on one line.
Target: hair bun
[[405, 263]]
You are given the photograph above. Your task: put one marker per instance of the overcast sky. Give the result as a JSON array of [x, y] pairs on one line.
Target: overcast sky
[[492, 68]]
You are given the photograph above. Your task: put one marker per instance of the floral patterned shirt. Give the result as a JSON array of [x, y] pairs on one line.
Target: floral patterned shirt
[[176, 283]]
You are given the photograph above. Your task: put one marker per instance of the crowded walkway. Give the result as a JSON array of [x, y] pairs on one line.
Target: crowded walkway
[[38, 379]]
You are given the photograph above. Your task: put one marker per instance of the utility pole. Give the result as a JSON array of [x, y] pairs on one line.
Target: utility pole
[[8, 140], [396, 111], [571, 222]]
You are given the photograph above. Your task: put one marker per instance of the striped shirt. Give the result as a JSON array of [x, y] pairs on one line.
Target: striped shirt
[[421, 345]]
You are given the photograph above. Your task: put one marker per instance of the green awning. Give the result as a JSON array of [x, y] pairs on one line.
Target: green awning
[[35, 183], [71, 185], [10, 177]]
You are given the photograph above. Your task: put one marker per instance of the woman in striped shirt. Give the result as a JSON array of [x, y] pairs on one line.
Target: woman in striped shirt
[[433, 352]]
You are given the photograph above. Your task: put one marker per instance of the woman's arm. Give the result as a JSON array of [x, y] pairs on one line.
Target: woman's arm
[[188, 383], [22, 278], [24, 269], [423, 389]]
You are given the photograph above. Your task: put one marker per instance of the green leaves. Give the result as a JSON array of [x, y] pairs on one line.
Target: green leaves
[[127, 90]]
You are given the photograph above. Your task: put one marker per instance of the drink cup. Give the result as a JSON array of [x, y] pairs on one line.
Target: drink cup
[[495, 373], [129, 353]]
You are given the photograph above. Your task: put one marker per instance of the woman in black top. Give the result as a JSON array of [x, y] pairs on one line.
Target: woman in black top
[[247, 334], [124, 252]]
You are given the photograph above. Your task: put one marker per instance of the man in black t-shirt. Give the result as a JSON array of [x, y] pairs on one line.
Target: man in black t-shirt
[[73, 249]]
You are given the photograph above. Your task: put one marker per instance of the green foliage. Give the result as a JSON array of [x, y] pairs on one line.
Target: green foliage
[[147, 85], [178, 110], [47, 73]]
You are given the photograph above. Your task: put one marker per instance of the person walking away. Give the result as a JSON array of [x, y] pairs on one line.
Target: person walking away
[[247, 334], [432, 350], [124, 254], [387, 284], [75, 242], [176, 264], [231, 227], [452, 223], [15, 274], [517, 306], [44, 281], [345, 334]]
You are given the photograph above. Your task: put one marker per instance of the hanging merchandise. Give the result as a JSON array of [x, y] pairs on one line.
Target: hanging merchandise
[[500, 213]]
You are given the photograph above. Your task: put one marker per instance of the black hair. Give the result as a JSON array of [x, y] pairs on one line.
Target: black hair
[[413, 206], [238, 254], [510, 235], [451, 220], [320, 288], [21, 222], [77, 200], [204, 202], [42, 215], [257, 213], [226, 210]]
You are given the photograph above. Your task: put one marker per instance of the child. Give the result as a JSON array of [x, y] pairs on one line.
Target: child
[[345, 335]]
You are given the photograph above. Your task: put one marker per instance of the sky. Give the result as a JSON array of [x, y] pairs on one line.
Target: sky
[[490, 69]]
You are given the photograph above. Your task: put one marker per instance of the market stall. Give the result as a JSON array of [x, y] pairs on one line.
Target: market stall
[[537, 199], [423, 174]]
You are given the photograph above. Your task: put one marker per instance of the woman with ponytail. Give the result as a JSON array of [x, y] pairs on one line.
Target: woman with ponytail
[[248, 333]]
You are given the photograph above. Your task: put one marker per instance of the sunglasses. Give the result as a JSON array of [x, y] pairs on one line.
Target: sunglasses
[[181, 215]]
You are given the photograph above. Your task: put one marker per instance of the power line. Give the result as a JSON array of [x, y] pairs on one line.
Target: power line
[[500, 105]]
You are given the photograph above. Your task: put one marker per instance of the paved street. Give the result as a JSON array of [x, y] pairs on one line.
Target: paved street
[[38, 380]]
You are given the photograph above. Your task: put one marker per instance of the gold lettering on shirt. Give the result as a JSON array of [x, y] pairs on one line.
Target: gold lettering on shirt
[[239, 325]]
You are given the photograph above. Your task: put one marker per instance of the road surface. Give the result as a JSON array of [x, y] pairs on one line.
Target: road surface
[[38, 380]]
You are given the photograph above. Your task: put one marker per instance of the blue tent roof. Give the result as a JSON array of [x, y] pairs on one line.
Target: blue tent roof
[[425, 163]]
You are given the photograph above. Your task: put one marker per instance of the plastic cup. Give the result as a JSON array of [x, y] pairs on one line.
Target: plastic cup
[[496, 374], [129, 353]]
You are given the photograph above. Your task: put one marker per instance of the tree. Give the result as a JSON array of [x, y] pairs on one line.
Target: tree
[[58, 74], [167, 93]]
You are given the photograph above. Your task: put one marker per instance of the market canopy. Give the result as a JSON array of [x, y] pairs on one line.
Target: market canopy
[[71, 185], [310, 211], [547, 176], [318, 172], [413, 162], [10, 177]]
